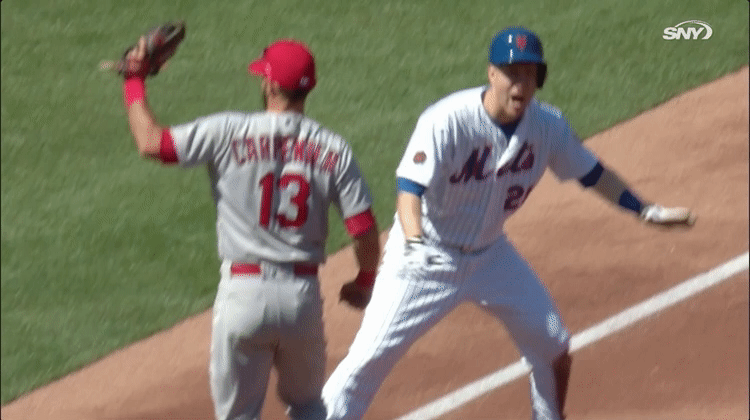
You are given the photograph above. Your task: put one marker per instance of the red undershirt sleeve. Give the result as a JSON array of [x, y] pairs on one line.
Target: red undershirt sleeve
[[167, 151], [360, 223]]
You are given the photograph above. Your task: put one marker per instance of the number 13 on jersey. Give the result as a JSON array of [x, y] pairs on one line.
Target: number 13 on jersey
[[270, 186]]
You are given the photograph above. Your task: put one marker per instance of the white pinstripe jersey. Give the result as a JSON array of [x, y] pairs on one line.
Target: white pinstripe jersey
[[273, 178], [476, 177]]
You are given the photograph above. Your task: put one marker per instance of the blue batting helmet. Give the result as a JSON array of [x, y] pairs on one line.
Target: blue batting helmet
[[518, 45]]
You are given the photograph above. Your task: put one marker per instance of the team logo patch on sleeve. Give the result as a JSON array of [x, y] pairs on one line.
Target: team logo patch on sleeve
[[420, 157]]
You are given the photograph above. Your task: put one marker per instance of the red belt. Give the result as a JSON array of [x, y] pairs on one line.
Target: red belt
[[299, 269]]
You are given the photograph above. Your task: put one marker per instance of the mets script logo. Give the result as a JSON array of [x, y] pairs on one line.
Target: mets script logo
[[474, 168], [521, 42], [689, 29]]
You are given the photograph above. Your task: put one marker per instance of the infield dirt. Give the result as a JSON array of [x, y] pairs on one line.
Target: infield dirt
[[688, 362]]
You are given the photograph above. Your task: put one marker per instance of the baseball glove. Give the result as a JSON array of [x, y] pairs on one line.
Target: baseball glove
[[161, 43]]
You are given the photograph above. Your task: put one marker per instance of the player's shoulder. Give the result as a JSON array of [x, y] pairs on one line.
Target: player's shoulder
[[226, 118], [456, 101], [547, 110], [455, 104], [323, 135], [547, 115], [230, 115], [318, 130]]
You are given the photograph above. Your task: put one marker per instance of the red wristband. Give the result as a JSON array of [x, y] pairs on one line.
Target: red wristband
[[365, 279], [133, 90]]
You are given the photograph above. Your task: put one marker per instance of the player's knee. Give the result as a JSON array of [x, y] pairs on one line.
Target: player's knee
[[312, 410], [546, 351], [562, 348], [561, 365], [557, 337]]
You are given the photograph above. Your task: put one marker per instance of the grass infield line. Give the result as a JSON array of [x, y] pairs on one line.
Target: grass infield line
[[609, 326]]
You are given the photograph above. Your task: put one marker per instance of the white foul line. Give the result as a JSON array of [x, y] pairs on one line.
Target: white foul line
[[586, 337]]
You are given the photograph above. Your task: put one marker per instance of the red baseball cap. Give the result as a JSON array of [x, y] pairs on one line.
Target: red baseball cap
[[288, 62]]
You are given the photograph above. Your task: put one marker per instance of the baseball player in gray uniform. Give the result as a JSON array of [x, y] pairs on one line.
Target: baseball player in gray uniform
[[274, 175], [471, 162]]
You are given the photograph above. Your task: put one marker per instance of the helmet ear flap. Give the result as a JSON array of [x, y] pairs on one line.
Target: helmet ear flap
[[541, 75]]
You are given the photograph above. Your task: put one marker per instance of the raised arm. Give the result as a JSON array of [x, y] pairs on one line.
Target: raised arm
[[146, 131]]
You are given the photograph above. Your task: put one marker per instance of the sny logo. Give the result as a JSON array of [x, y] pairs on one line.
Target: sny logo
[[688, 32]]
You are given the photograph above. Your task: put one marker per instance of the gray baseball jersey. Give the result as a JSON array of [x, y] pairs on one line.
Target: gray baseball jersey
[[273, 176]]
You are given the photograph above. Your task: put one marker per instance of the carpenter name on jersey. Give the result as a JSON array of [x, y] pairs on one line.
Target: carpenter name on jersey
[[283, 149]]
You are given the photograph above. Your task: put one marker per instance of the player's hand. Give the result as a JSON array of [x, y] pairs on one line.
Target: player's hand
[[355, 295], [667, 216], [150, 53], [135, 62], [419, 255]]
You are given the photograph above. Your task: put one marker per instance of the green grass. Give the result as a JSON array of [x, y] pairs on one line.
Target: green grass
[[100, 248]]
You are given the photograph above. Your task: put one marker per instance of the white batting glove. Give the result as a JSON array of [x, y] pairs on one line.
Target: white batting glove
[[667, 216], [419, 255]]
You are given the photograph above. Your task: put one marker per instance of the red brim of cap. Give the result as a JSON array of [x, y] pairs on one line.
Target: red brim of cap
[[257, 67]]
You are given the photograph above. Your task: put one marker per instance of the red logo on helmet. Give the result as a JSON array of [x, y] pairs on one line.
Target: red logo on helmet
[[521, 42]]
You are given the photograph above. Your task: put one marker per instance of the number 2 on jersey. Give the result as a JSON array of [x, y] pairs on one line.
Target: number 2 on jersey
[[268, 184], [517, 195]]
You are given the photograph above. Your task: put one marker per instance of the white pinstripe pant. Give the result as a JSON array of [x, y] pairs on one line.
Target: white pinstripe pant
[[408, 301]]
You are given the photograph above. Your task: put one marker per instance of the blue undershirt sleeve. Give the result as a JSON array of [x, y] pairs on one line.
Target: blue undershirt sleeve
[[630, 202], [593, 176], [407, 185], [627, 200]]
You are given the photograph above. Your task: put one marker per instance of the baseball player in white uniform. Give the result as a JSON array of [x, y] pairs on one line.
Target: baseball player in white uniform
[[273, 174], [471, 162]]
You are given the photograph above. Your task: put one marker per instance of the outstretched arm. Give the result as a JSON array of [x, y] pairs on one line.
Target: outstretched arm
[[613, 189], [147, 133]]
